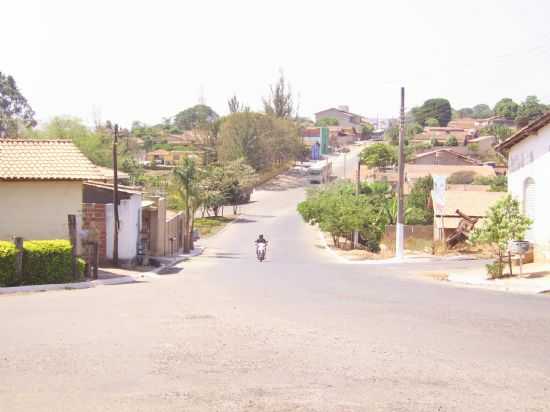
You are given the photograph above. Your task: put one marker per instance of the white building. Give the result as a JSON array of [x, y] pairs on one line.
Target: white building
[[529, 178]]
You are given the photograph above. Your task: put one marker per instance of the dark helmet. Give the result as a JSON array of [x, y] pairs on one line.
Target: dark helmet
[[261, 236]]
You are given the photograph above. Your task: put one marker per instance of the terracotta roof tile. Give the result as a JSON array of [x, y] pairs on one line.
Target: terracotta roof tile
[[44, 160]]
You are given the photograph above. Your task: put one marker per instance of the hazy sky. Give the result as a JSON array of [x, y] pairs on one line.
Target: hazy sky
[[143, 60]]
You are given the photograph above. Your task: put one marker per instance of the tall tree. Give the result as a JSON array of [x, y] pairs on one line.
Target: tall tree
[[280, 101], [187, 178], [195, 117], [529, 110], [439, 109], [506, 108], [14, 108], [481, 111]]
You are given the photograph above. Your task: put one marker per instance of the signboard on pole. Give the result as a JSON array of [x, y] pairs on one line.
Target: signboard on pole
[[440, 185]]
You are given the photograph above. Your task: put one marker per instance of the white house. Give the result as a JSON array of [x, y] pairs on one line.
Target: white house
[[529, 178]]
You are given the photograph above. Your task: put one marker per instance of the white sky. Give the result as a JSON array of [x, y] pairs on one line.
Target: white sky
[[143, 60]]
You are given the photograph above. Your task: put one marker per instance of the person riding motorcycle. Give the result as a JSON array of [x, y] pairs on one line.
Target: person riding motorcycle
[[261, 239], [260, 250]]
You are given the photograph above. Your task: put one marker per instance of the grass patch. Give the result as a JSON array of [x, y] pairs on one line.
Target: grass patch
[[207, 226]]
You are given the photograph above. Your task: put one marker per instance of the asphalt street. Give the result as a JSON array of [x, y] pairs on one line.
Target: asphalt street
[[301, 331]]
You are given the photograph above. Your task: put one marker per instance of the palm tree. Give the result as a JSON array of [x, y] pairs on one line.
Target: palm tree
[[187, 177]]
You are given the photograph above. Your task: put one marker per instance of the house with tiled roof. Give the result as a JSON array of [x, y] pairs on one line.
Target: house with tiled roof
[[528, 153], [444, 156], [41, 183]]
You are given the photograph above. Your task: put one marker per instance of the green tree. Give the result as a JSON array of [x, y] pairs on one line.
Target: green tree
[[439, 109], [481, 111], [465, 112], [504, 222], [327, 121], [529, 110], [501, 132], [506, 108], [418, 203], [195, 117], [187, 179], [462, 177], [432, 122], [366, 130], [379, 155], [15, 111]]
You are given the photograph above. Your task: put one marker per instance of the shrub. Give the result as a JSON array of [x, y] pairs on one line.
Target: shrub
[[8, 253], [463, 177], [451, 141], [434, 142], [47, 261], [495, 269], [44, 261]]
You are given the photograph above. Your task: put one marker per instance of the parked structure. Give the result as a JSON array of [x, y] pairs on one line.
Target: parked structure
[[528, 154], [317, 138], [41, 183]]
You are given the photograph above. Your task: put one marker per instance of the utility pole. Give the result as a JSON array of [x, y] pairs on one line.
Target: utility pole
[[357, 190], [399, 229], [115, 197]]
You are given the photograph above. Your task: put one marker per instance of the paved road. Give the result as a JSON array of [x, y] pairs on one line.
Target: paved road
[[299, 332]]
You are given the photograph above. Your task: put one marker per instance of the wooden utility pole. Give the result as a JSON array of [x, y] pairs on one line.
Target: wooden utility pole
[[115, 197], [399, 229]]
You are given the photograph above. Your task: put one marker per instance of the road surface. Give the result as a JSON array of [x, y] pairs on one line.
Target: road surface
[[299, 332]]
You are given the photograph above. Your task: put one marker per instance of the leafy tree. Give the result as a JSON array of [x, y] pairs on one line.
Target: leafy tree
[[379, 155], [439, 109], [504, 222], [366, 130], [506, 108], [327, 121], [418, 203], [501, 132], [262, 140], [529, 110], [187, 177], [451, 141], [338, 211], [481, 111], [280, 101], [15, 111], [465, 112], [432, 122], [195, 117]]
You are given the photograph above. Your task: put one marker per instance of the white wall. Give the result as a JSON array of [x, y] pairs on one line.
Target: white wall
[[129, 212], [531, 158]]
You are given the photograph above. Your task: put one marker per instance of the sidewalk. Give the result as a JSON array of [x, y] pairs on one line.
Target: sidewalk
[[535, 279], [111, 276]]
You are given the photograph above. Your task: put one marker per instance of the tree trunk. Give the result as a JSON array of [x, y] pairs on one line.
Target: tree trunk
[[186, 239]]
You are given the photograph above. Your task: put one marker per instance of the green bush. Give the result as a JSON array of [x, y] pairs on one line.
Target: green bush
[[44, 261], [8, 253], [451, 141], [463, 177], [495, 270]]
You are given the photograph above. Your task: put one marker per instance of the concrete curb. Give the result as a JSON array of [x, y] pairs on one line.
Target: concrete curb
[[67, 286]]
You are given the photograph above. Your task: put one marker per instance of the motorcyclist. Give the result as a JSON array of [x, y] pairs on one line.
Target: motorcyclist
[[261, 239]]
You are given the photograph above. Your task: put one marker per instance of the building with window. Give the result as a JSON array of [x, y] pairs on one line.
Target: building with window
[[528, 153]]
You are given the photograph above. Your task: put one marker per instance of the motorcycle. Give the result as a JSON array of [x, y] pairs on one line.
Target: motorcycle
[[260, 251]]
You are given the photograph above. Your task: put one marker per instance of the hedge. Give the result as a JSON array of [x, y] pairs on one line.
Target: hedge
[[8, 253], [44, 261]]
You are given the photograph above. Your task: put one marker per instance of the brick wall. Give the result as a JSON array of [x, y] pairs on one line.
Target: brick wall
[[93, 220]]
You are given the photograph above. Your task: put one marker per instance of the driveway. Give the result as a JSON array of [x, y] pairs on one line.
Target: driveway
[[299, 332]]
